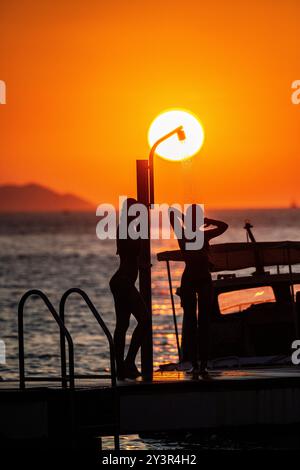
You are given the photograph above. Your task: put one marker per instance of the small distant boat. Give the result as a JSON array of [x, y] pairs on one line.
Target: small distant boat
[[294, 205], [255, 315]]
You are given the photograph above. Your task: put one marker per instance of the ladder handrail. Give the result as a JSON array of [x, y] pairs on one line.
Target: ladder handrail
[[89, 303], [63, 333]]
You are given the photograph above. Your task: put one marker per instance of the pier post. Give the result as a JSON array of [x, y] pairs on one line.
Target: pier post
[[142, 173]]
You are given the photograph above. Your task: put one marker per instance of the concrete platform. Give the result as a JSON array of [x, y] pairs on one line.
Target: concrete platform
[[171, 402]]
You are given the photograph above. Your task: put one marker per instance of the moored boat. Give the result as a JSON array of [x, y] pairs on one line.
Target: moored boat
[[256, 307]]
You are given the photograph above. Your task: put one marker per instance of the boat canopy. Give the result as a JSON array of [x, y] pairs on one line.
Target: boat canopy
[[235, 256]]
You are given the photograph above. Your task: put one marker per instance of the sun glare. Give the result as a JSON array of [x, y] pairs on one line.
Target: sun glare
[[174, 149]]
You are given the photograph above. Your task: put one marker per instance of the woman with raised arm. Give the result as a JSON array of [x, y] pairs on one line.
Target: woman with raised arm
[[196, 288], [127, 298]]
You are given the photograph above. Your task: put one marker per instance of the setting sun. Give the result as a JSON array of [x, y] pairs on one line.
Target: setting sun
[[173, 148]]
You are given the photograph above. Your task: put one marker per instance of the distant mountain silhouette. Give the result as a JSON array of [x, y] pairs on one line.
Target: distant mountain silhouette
[[36, 198]]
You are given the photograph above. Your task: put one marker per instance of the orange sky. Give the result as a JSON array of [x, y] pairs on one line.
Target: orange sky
[[86, 78]]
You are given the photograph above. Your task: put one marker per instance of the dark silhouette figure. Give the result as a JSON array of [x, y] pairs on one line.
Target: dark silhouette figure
[[196, 288], [127, 299]]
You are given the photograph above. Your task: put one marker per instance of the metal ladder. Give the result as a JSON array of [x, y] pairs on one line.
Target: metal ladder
[[65, 336], [63, 332]]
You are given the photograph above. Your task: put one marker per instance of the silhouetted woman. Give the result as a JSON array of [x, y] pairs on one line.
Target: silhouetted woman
[[196, 288], [127, 298]]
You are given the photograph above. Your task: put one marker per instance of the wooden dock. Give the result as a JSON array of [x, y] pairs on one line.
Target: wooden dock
[[171, 402]]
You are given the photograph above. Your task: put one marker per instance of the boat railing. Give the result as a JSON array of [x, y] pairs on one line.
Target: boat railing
[[63, 333]]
